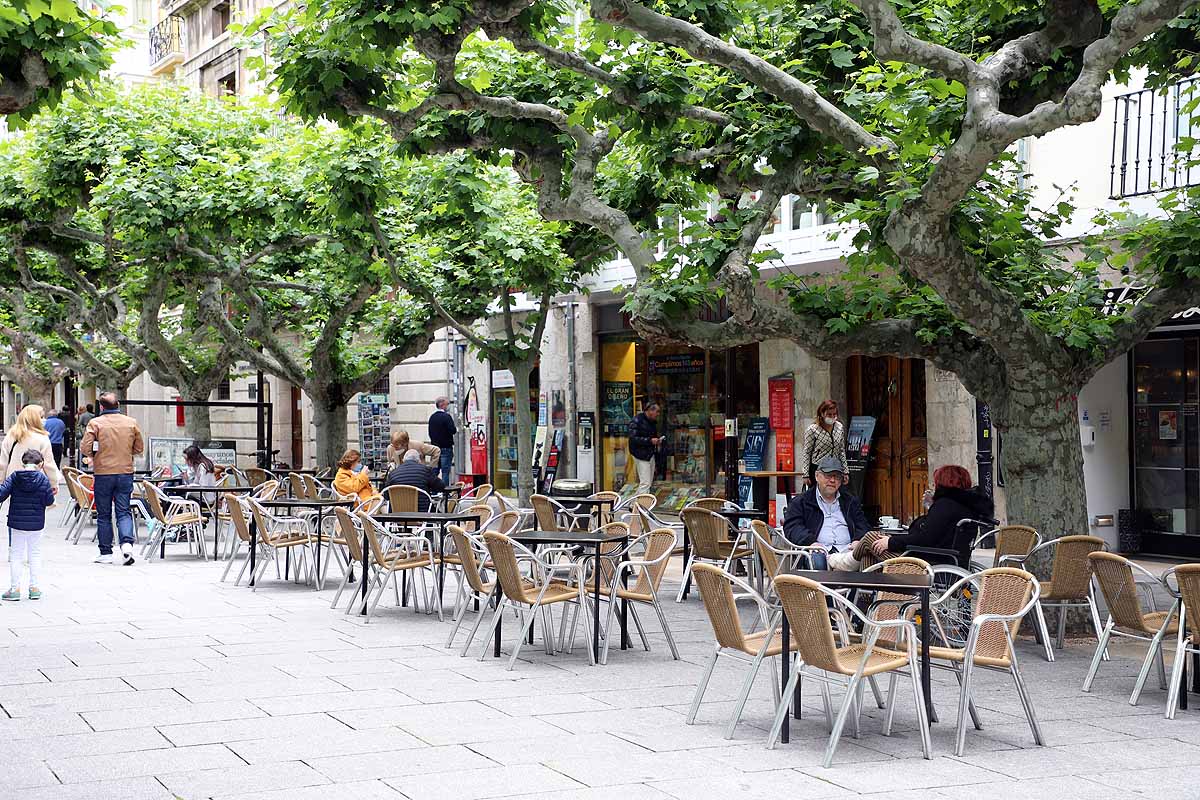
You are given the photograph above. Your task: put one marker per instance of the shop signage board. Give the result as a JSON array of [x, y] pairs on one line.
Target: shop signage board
[[781, 394], [167, 451], [617, 411], [503, 379], [585, 450], [676, 364], [374, 429], [753, 455], [477, 428]]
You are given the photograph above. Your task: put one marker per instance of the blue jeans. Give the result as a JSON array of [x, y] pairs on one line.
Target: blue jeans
[[819, 560], [445, 462], [112, 491]]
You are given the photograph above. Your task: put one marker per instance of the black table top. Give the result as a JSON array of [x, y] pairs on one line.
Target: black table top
[[743, 513], [866, 580], [296, 502], [424, 516], [566, 537]]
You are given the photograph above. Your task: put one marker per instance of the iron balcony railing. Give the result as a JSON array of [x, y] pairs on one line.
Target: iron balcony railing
[[166, 39], [1152, 129]]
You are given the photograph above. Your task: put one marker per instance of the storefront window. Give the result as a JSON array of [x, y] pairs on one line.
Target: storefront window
[[504, 432], [1167, 434], [689, 386]]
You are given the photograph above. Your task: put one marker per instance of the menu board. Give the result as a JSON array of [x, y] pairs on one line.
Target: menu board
[[781, 394], [374, 429]]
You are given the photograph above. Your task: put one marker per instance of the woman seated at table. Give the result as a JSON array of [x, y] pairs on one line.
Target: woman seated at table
[[411, 472], [401, 444], [352, 477], [953, 499], [199, 470]]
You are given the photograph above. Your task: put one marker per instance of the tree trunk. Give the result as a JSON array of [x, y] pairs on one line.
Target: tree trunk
[[197, 419], [329, 422], [525, 485], [39, 391]]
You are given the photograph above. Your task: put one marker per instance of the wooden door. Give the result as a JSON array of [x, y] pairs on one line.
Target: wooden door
[[297, 427], [893, 391]]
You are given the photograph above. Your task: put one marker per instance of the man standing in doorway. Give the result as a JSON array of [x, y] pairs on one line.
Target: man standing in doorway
[[110, 442], [643, 445], [82, 418], [441, 433]]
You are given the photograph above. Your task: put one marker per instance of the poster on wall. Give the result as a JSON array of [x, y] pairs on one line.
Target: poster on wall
[[374, 429], [167, 451], [1168, 425], [476, 429], [785, 450], [556, 437], [539, 452], [585, 450], [617, 409], [781, 394], [558, 409], [752, 456]]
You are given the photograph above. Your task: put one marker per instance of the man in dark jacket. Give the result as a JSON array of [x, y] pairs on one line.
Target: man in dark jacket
[[411, 472], [441, 433], [824, 515], [643, 445]]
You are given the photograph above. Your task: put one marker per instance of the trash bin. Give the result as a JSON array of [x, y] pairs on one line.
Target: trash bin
[[570, 487]]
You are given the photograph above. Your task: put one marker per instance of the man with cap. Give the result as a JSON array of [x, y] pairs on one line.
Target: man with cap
[[826, 516]]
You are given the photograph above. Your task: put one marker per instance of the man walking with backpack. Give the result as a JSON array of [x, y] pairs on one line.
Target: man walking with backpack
[[110, 442]]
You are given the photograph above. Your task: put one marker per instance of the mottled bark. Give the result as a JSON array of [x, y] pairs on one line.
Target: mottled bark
[[525, 484], [329, 427], [197, 419]]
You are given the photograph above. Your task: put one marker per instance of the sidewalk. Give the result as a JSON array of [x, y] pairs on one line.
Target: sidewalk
[[157, 681]]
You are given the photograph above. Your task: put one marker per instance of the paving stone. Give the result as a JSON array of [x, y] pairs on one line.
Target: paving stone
[[445, 760], [759, 786], [242, 779], [602, 746], [359, 790], [144, 788], [477, 784], [917, 774], [307, 725], [144, 762], [305, 746], [172, 714], [1061, 788], [86, 744]]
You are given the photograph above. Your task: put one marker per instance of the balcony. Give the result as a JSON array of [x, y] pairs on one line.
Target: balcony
[[166, 46], [1152, 140]]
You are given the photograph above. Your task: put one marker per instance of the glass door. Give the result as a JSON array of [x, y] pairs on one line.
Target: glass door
[[1166, 431]]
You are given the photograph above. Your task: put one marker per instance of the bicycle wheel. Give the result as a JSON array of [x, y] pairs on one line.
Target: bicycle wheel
[[952, 618]]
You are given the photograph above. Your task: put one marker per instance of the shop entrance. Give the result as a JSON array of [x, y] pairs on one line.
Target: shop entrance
[[893, 391]]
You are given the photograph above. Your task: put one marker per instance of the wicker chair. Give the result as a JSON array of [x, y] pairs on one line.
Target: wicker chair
[[649, 569], [81, 487], [717, 591], [405, 499], [1006, 595], [708, 503], [1070, 584], [72, 507], [241, 530], [296, 486], [258, 475], [405, 554], [1126, 618], [1013, 542], [173, 515], [1187, 590], [476, 494], [709, 532], [552, 516], [774, 559], [471, 552], [349, 535], [614, 500], [278, 534], [534, 596], [807, 605]]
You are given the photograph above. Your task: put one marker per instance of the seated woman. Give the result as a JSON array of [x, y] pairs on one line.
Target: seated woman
[[352, 477], [954, 499], [401, 444], [411, 472], [199, 470]]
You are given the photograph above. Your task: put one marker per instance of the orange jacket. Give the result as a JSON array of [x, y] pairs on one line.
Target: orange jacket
[[346, 482]]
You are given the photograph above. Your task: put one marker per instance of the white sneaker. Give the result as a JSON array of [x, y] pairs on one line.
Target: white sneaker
[[104, 559], [127, 553]]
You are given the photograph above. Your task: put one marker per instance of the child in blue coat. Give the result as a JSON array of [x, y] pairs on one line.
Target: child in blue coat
[[30, 493]]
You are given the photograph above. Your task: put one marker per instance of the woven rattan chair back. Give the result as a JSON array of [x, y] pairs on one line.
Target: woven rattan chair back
[[78, 493], [372, 530], [608, 567], [707, 529], [349, 532], [717, 593], [544, 510], [645, 501], [296, 485], [464, 547], [887, 605], [766, 549], [808, 614], [482, 513], [508, 572], [1014, 540], [237, 516], [402, 499], [1004, 591], [312, 489], [88, 482], [267, 490], [605, 512], [1072, 572], [658, 542], [1188, 578], [708, 503], [371, 505], [257, 475], [154, 502], [1115, 577], [505, 522], [265, 534]]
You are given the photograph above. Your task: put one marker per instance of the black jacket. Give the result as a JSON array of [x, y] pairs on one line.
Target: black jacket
[[803, 519], [30, 493], [442, 429], [641, 431], [414, 473], [936, 528]]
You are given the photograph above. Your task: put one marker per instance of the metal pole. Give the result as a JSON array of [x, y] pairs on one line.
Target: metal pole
[[261, 433], [571, 438], [731, 447]]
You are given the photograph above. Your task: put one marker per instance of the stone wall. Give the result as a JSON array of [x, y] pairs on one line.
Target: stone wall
[[950, 422]]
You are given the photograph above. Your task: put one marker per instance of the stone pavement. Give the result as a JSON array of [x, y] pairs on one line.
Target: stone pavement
[[158, 681]]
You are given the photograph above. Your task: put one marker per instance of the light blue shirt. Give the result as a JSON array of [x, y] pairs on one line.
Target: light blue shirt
[[834, 530]]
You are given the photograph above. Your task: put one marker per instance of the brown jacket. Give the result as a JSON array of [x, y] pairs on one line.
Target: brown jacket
[[120, 440]]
